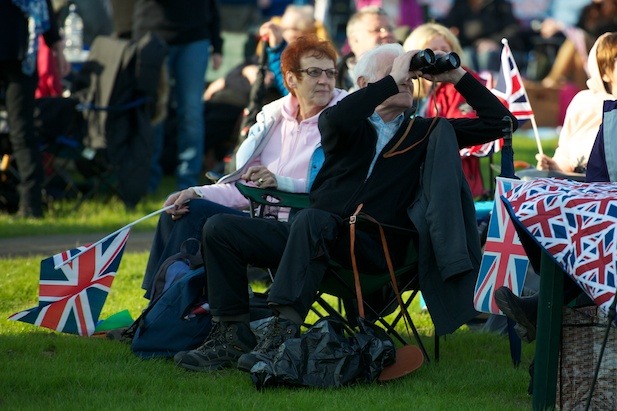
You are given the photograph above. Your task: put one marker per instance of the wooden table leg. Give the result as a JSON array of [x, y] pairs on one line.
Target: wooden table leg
[[548, 334]]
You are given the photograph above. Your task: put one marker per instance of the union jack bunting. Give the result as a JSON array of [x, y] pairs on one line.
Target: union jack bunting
[[577, 224], [71, 297], [504, 261], [509, 86], [482, 150]]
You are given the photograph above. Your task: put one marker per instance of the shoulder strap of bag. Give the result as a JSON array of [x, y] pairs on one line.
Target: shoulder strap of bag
[[190, 251], [193, 257]]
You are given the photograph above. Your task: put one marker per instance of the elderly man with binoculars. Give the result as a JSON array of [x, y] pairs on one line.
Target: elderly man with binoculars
[[375, 152]]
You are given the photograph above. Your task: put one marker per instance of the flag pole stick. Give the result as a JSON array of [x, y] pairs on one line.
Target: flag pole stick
[[504, 41], [533, 123], [113, 234], [536, 134]]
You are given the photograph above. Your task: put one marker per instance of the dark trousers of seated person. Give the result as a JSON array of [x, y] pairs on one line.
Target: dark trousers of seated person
[[300, 250], [170, 234]]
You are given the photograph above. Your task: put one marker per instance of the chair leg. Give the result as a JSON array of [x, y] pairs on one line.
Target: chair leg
[[515, 343], [391, 330], [399, 317], [333, 313]]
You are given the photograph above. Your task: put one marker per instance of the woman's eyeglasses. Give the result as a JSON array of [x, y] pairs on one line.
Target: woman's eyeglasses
[[316, 72]]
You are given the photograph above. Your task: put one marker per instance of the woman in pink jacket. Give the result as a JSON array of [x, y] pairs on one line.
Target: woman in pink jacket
[[282, 150]]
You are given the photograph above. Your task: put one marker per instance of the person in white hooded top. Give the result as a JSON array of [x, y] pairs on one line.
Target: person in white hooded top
[[583, 116], [590, 108]]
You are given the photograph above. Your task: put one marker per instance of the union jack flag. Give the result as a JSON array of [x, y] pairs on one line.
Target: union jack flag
[[509, 86], [504, 261], [72, 296], [577, 224]]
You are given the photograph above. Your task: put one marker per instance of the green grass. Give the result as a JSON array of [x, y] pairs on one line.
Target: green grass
[[99, 215], [42, 369]]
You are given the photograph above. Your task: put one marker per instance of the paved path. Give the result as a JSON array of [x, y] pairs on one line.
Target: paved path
[[48, 245]]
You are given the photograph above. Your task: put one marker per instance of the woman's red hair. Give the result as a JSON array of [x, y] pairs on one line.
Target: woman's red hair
[[304, 46]]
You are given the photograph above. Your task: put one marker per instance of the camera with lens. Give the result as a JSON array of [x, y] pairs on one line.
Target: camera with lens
[[426, 62]]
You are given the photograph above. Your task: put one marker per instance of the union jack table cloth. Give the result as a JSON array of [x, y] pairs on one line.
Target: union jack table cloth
[[576, 224]]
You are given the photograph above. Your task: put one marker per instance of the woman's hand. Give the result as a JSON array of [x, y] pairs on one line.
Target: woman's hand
[[261, 176], [179, 200], [217, 61]]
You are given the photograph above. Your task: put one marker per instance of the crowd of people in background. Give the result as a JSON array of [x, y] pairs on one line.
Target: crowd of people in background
[[206, 121]]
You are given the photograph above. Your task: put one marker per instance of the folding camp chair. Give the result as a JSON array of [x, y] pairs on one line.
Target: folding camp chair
[[117, 88], [339, 280]]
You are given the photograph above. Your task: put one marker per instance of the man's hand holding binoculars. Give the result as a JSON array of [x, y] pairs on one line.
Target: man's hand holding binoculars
[[440, 66]]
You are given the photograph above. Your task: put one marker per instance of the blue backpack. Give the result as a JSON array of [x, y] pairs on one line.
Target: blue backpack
[[177, 318], [175, 266], [175, 321]]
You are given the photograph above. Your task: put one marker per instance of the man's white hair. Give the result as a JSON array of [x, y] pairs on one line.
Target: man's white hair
[[372, 63]]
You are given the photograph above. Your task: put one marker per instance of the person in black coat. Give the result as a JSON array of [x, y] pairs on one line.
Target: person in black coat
[[374, 150], [18, 75]]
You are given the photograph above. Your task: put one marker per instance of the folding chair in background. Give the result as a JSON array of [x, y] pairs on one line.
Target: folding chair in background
[[61, 129], [117, 90]]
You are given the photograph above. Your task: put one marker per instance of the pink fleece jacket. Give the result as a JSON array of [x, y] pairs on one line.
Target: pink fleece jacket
[[280, 143]]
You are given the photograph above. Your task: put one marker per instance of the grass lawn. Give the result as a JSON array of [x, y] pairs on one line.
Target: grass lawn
[[43, 369]]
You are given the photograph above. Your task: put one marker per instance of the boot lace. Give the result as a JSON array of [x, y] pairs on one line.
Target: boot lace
[[215, 338], [274, 337]]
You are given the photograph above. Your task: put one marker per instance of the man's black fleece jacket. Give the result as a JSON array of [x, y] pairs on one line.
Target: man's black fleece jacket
[[349, 140]]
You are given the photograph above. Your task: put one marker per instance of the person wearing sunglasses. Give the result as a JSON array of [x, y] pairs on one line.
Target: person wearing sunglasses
[[282, 150]]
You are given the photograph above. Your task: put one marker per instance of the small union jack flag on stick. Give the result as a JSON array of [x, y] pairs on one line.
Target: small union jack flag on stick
[[74, 284], [72, 297], [510, 88]]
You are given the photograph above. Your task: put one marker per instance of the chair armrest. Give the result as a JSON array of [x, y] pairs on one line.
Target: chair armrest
[[273, 197]]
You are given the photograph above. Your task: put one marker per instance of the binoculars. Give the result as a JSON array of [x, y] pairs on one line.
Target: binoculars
[[426, 62]]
